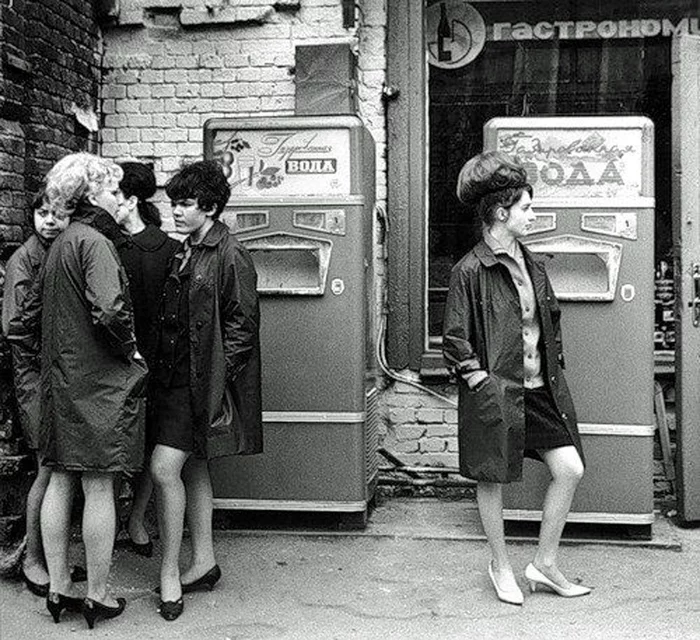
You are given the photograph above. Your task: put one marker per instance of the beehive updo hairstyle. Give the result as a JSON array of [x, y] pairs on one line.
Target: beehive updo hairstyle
[[491, 180]]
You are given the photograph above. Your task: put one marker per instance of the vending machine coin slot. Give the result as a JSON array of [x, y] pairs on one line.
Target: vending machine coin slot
[[543, 222], [252, 220], [328, 220]]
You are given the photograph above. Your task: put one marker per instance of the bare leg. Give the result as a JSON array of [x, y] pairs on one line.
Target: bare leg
[[489, 497], [34, 564], [567, 470], [166, 470], [55, 528], [142, 495], [99, 521], [199, 518]]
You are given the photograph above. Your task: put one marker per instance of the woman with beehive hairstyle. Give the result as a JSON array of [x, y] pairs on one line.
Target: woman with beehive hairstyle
[[502, 340]]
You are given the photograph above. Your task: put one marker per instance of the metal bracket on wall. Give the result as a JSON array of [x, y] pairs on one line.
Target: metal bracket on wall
[[348, 14], [695, 303], [390, 93]]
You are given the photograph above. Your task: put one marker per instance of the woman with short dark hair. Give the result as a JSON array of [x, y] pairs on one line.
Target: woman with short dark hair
[[206, 399], [502, 340]]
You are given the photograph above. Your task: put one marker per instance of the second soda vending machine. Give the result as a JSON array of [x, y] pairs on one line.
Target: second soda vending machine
[[593, 181], [302, 202]]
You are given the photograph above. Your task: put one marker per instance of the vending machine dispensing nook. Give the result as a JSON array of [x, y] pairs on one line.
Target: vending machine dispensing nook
[[302, 196], [593, 182]]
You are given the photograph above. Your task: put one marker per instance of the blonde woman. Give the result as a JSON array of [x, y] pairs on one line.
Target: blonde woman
[[92, 379]]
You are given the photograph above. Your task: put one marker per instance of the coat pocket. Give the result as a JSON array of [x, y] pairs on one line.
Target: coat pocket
[[483, 433], [483, 402]]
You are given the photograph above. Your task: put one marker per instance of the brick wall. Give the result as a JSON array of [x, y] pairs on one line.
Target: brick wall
[[170, 66], [49, 80]]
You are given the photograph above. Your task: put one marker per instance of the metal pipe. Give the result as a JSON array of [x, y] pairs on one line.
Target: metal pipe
[[434, 470], [425, 482]]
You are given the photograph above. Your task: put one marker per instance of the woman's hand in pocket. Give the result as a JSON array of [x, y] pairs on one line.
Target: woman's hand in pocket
[[476, 379]]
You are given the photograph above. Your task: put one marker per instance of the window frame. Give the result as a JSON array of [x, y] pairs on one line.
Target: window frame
[[407, 148]]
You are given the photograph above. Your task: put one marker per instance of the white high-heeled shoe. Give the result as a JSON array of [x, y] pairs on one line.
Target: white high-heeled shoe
[[535, 577], [511, 596]]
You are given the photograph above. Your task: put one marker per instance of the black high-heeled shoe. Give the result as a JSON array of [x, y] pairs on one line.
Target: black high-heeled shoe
[[207, 581], [93, 610], [171, 609], [57, 602], [144, 549], [77, 574]]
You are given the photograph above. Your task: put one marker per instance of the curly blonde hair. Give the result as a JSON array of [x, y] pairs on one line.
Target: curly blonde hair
[[76, 177]]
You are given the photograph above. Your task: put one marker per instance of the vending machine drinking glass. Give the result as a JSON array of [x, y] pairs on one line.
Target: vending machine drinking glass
[[593, 182], [302, 196]]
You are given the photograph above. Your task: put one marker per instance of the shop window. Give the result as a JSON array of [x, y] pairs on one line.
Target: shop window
[[613, 60]]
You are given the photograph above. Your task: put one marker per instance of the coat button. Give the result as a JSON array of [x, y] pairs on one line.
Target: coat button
[[553, 378], [563, 415], [199, 324]]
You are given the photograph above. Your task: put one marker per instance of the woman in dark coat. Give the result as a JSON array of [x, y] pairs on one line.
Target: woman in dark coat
[[206, 375], [502, 340], [146, 253], [22, 272], [92, 378]]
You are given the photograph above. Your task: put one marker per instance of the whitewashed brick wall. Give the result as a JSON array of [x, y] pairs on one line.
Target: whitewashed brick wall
[[170, 65]]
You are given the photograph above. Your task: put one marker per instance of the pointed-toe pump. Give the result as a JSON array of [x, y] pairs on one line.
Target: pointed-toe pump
[[510, 596], [37, 588], [144, 549], [93, 610], [57, 602], [171, 609], [536, 579], [77, 574], [207, 581]]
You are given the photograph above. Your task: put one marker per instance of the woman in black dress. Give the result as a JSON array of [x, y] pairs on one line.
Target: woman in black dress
[[146, 253], [502, 340]]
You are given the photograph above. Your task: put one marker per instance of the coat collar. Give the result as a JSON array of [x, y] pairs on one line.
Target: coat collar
[[488, 258], [217, 232], [150, 239], [485, 254], [100, 220]]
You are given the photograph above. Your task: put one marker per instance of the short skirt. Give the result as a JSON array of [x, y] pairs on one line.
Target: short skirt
[[544, 427], [170, 421]]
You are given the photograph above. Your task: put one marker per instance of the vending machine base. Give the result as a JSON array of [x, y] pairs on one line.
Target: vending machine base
[[289, 477], [617, 486]]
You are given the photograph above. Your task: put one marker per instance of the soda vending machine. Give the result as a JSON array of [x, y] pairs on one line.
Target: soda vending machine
[[302, 197], [593, 182]]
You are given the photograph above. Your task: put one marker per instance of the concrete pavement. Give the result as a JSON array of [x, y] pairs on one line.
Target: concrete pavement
[[418, 571]]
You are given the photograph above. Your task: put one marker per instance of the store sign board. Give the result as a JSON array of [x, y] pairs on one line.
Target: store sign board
[[590, 29], [284, 162], [456, 31], [578, 162]]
